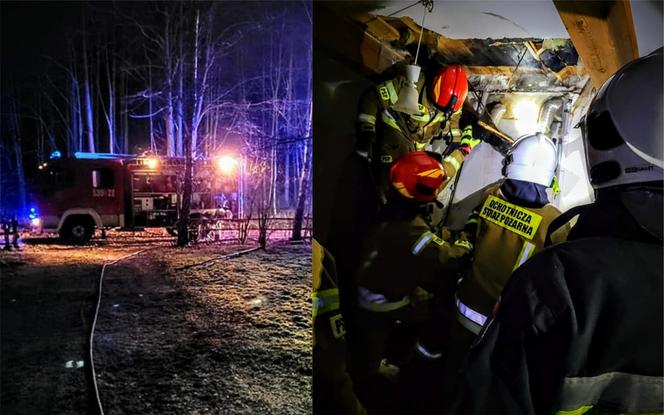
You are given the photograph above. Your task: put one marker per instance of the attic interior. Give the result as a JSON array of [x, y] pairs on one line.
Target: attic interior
[[531, 67]]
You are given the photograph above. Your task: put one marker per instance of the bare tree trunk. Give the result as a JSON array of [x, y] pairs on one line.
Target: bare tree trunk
[[88, 99], [264, 208], [75, 139], [125, 115], [110, 113], [305, 177], [168, 124], [153, 146], [18, 155], [287, 176], [183, 234], [179, 146], [303, 192]]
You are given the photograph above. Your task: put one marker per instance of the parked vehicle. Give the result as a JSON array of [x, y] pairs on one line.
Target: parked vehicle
[[75, 196]]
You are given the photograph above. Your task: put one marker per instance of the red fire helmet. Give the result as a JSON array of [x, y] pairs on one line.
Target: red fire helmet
[[417, 176], [448, 88]]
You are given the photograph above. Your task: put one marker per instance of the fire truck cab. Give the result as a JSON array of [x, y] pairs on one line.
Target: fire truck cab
[[76, 195]]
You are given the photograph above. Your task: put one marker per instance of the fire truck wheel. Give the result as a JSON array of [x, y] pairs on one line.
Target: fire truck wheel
[[78, 230]]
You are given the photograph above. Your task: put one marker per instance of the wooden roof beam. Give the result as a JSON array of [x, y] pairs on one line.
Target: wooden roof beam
[[347, 40], [602, 33]]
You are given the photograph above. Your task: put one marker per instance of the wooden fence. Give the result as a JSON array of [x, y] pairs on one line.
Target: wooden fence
[[244, 230]]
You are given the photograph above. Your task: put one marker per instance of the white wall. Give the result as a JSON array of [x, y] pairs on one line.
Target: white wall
[[482, 168], [647, 16], [473, 19]]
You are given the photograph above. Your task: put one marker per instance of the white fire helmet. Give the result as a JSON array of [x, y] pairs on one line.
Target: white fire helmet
[[623, 131], [532, 158]]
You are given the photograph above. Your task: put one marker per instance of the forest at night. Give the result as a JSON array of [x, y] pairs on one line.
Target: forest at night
[[157, 78]]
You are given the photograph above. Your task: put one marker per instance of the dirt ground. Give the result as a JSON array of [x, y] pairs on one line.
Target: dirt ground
[[226, 337]]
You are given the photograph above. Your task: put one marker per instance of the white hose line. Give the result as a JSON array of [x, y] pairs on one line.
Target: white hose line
[[94, 323]]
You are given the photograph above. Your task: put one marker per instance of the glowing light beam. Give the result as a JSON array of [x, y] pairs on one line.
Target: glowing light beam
[[227, 164], [526, 112]]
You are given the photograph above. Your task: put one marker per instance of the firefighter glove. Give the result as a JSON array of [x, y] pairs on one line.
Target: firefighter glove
[[468, 139], [468, 142]]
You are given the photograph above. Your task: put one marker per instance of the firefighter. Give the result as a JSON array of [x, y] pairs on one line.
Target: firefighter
[[384, 133], [579, 326], [405, 261], [332, 386], [506, 229]]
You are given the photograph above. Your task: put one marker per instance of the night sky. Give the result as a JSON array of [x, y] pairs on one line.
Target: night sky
[[31, 31]]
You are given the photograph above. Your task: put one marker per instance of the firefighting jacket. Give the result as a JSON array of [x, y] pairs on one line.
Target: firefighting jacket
[[332, 386], [401, 255], [378, 123], [384, 135], [504, 235], [579, 326]]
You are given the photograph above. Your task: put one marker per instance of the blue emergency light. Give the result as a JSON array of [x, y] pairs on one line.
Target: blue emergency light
[[81, 155]]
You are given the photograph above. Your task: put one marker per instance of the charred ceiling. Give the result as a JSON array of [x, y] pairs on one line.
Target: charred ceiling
[[380, 44]]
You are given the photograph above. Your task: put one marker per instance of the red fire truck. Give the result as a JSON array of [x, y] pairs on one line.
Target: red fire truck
[[92, 190]]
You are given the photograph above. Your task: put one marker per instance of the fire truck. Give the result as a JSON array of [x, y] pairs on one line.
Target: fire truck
[[74, 196]]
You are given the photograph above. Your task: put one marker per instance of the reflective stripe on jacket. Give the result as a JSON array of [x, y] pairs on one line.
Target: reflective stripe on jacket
[[498, 251], [400, 255]]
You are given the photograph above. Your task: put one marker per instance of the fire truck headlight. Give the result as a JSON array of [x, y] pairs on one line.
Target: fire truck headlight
[[152, 163], [36, 222], [226, 164]]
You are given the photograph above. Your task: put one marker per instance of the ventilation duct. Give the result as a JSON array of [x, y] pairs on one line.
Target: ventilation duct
[[497, 112], [550, 110]]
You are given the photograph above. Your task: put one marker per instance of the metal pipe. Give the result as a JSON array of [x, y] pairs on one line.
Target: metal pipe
[[548, 112], [565, 121], [497, 113]]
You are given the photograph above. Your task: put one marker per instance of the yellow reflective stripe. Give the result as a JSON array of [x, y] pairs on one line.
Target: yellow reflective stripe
[[402, 189], [421, 242], [455, 132], [420, 146], [367, 118], [454, 162], [438, 118], [526, 252], [464, 244], [434, 173], [421, 118], [389, 120], [337, 326], [383, 92], [324, 301], [387, 92], [511, 217], [578, 411], [467, 131], [393, 92], [438, 240], [472, 220]]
